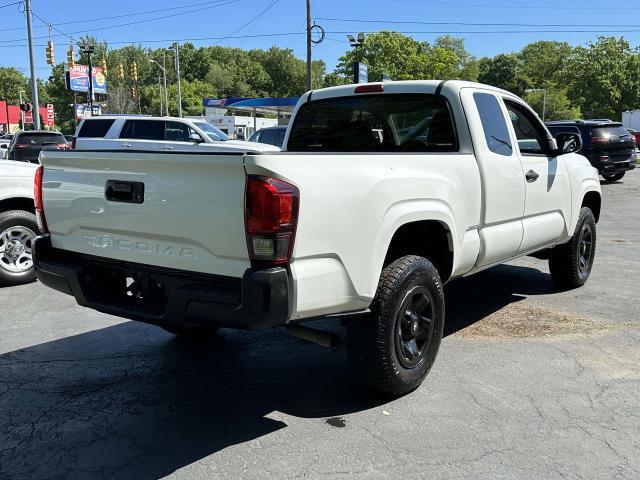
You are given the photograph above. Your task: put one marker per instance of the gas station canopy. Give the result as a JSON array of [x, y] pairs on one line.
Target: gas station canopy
[[266, 106]]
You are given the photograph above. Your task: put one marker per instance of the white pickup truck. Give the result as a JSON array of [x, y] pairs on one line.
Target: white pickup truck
[[382, 194], [18, 226]]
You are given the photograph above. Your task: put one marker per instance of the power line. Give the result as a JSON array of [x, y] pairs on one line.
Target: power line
[[286, 34], [51, 26], [250, 21], [132, 14], [507, 6], [479, 24], [9, 4], [225, 2]]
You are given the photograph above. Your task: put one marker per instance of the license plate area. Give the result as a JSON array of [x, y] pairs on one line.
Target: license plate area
[[124, 192]]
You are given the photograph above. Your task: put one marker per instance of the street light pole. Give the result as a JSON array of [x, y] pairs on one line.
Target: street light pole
[[32, 66], [544, 98], [309, 85], [164, 75], [88, 49], [178, 75]]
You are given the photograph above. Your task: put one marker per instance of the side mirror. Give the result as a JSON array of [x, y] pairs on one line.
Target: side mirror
[[194, 137], [568, 142]]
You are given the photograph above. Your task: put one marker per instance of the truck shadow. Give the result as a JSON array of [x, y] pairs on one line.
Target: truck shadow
[[129, 401]]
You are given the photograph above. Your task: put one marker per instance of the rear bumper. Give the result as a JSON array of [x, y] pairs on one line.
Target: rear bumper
[[165, 297], [606, 168]]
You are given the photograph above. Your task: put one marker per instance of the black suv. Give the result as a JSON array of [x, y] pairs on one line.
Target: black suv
[[607, 145], [25, 146]]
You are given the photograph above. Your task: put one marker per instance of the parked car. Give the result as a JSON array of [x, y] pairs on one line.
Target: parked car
[[18, 226], [607, 145], [26, 145], [271, 135], [156, 134], [353, 219], [5, 140]]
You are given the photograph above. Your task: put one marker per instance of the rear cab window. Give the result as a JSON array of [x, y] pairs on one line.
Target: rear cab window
[[95, 127], [608, 133], [374, 123]]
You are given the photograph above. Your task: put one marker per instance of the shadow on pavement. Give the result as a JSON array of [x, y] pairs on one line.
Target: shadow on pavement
[[130, 401]]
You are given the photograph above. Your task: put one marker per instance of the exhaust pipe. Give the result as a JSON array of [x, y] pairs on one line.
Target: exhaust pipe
[[321, 337]]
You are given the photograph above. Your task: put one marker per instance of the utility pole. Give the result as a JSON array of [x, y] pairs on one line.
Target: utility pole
[[88, 48], [178, 75], [164, 71], [21, 111], [34, 83], [161, 95], [309, 86]]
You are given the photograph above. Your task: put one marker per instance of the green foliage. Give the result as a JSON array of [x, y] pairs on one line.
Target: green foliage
[[12, 81], [558, 105], [404, 58]]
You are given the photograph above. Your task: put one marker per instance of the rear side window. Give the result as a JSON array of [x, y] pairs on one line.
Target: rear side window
[[95, 128], [495, 128], [279, 140], [143, 130], [374, 123]]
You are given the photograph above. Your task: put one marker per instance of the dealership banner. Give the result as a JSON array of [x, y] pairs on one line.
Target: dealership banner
[[79, 79]]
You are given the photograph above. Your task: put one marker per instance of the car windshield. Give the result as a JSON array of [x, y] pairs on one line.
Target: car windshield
[[212, 132]]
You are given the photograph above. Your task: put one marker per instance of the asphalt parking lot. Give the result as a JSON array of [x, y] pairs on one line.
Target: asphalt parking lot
[[529, 383]]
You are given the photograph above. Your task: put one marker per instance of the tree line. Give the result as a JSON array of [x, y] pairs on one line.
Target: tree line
[[599, 80]]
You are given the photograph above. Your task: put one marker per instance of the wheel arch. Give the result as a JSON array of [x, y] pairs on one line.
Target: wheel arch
[[592, 200], [17, 203]]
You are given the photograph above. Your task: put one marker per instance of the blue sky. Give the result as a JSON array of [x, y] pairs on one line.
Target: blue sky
[[206, 19]]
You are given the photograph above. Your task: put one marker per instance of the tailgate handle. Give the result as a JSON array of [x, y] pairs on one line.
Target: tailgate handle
[[125, 192]]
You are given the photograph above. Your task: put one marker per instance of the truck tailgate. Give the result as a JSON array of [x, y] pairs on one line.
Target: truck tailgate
[[174, 210]]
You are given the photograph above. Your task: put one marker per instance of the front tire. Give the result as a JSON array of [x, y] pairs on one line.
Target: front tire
[[570, 264], [614, 177], [17, 231], [393, 349]]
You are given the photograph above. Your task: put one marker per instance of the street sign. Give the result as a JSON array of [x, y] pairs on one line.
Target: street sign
[[50, 115], [28, 116]]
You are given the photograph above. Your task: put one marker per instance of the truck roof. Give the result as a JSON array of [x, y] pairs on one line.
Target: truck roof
[[401, 86]]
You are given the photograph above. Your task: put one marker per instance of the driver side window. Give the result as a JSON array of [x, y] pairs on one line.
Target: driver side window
[[530, 133]]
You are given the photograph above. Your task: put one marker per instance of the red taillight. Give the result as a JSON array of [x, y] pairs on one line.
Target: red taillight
[[73, 143], [37, 200], [22, 145], [271, 218], [62, 146], [371, 88]]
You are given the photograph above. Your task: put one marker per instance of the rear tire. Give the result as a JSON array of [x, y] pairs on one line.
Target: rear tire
[[18, 228], [393, 349], [570, 264], [614, 177]]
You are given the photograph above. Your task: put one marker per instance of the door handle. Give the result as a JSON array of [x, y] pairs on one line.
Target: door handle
[[531, 176], [167, 147], [125, 145]]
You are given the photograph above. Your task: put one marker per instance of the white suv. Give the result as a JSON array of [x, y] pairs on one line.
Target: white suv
[[157, 134]]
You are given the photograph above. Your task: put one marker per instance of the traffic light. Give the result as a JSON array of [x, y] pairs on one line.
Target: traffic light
[[103, 65], [121, 71], [134, 91], [134, 71], [70, 60], [26, 107], [50, 56]]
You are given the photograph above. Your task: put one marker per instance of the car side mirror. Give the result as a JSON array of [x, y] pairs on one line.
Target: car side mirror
[[194, 137], [4, 145], [568, 142]]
